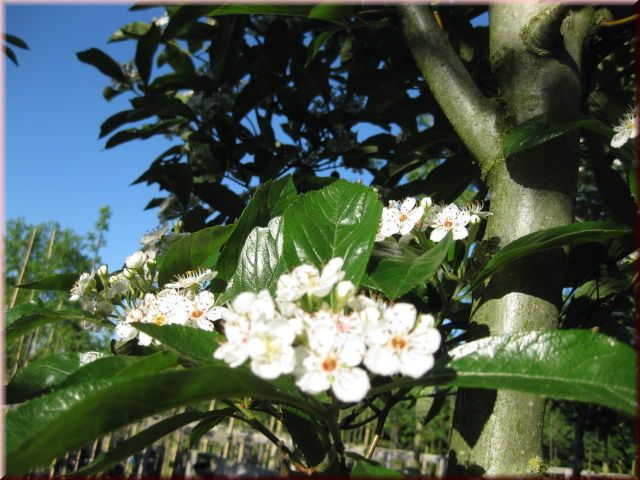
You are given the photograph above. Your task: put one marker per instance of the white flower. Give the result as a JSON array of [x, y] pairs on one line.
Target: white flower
[[136, 260], [167, 308], [449, 218], [236, 349], [398, 346], [389, 222], [344, 291], [306, 279], [409, 215], [154, 236], [125, 331], [82, 286], [331, 362], [201, 312], [475, 212], [118, 285], [271, 351], [162, 21], [189, 279], [626, 129]]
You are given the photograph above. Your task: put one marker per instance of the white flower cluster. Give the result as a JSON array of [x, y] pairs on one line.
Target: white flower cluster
[[626, 129], [132, 295], [407, 217], [320, 331]]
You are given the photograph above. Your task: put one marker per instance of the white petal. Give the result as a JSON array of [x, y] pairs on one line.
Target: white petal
[[313, 382], [351, 350], [415, 365], [438, 234], [351, 385], [459, 233], [619, 139], [382, 360], [400, 318], [427, 341]]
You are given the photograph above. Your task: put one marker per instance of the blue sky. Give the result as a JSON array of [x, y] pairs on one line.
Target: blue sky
[[56, 168]]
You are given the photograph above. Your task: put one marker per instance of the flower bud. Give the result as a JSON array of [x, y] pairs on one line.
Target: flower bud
[[136, 260]]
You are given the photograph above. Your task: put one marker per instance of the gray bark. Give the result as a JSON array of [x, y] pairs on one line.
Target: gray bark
[[535, 53]]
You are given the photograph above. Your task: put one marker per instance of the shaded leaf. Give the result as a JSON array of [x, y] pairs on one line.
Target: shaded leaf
[[198, 250], [16, 41], [316, 44], [102, 62], [59, 281], [549, 238], [543, 128], [192, 343], [397, 276], [304, 434], [145, 50]]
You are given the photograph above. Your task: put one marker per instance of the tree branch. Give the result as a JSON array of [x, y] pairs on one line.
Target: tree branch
[[473, 116], [542, 33]]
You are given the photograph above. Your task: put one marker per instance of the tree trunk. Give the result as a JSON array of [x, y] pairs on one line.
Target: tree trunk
[[535, 54]]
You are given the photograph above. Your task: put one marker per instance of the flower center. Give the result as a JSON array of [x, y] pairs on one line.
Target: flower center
[[403, 217], [398, 343], [447, 224], [197, 313], [329, 364], [159, 320]]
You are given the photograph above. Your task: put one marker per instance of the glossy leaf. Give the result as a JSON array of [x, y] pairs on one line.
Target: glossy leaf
[[101, 369], [397, 276], [141, 440], [21, 320], [551, 238], [578, 365], [269, 201], [131, 30], [538, 130], [192, 343], [46, 372], [339, 220], [261, 262], [102, 62], [48, 426], [332, 12], [59, 281], [198, 250]]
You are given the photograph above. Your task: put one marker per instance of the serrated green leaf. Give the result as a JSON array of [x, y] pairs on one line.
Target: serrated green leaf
[[59, 281], [46, 372], [340, 220], [543, 128], [578, 365], [397, 276], [198, 250], [48, 426], [102, 62], [261, 262], [269, 201], [549, 238]]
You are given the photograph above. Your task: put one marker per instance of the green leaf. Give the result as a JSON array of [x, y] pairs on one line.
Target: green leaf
[[22, 320], [132, 30], [331, 12], [143, 439], [198, 250], [259, 9], [578, 365], [543, 128], [146, 131], [316, 44], [549, 238], [47, 427], [46, 372], [269, 201], [261, 262], [16, 41], [102, 62], [100, 369], [145, 50], [304, 434], [365, 468], [59, 281], [193, 343], [340, 220], [150, 364], [397, 276]]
